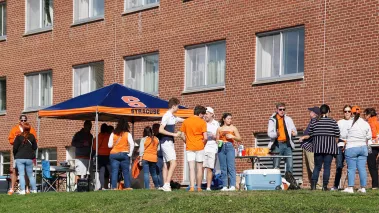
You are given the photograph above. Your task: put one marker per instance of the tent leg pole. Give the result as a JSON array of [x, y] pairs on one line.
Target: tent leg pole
[[38, 128], [97, 149]]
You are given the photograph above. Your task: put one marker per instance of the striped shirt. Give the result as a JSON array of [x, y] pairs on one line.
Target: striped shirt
[[307, 145], [324, 133]]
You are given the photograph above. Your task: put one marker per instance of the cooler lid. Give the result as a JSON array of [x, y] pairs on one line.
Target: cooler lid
[[261, 171]]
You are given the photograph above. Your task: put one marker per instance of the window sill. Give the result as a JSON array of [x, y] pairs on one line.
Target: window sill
[[38, 31], [3, 112], [36, 109], [142, 8], [87, 21], [280, 79], [3, 38], [205, 89]]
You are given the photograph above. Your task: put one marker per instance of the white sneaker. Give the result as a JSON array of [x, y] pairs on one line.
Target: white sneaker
[[33, 191], [333, 189], [224, 189], [166, 188], [22, 192], [232, 188], [362, 190], [349, 190], [208, 189], [160, 188]]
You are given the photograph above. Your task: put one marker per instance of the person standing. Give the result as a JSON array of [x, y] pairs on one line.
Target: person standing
[[371, 117], [167, 129], [229, 134], [211, 147], [281, 129], [325, 134], [24, 148], [194, 133], [160, 164], [148, 151], [356, 152], [15, 131]]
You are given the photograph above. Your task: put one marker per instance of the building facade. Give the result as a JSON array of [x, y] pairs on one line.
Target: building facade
[[235, 56]]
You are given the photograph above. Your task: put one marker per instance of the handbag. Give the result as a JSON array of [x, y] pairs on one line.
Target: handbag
[[136, 167]]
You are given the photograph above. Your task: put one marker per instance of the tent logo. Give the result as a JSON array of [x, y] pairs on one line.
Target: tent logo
[[133, 102]]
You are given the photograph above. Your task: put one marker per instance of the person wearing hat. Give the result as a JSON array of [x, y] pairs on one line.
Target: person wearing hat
[[307, 146], [211, 147]]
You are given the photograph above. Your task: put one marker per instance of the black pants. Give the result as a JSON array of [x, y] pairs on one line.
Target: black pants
[[373, 167], [103, 161]]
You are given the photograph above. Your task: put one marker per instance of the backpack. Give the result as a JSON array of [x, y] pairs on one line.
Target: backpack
[[293, 184]]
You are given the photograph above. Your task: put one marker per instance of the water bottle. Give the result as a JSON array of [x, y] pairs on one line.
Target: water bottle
[[369, 149]]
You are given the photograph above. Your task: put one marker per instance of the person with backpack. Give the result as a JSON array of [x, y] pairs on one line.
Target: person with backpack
[[358, 137], [148, 149], [372, 119]]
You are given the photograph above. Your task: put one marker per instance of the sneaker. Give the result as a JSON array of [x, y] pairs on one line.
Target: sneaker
[[10, 192], [224, 189], [160, 188], [374, 188], [232, 188], [128, 189], [199, 189], [349, 190], [33, 191], [362, 190], [22, 192], [208, 189], [27, 191], [166, 188], [191, 189], [334, 188]]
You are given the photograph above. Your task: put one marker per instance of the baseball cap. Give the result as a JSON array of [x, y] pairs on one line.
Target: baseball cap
[[315, 110], [210, 109], [355, 109]]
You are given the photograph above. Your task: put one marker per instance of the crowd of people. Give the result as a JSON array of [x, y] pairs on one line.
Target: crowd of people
[[207, 140]]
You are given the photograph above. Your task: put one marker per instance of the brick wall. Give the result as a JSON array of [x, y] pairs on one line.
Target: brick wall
[[350, 64]]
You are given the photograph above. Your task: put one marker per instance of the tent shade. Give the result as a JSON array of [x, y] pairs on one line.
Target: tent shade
[[111, 103]]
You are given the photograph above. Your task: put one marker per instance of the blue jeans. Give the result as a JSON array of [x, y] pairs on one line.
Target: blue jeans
[[320, 159], [149, 166], [118, 159], [340, 158], [159, 167], [356, 157], [226, 156], [22, 165], [283, 149]]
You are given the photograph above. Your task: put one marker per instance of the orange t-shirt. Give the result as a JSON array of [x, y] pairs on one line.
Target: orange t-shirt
[[194, 127], [373, 121], [16, 131], [282, 133], [122, 145], [150, 154], [103, 144]]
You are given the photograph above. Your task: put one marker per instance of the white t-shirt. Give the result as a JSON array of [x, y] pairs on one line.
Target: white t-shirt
[[344, 125], [211, 145], [169, 119]]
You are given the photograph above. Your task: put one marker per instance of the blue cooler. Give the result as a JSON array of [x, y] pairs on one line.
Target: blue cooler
[[263, 179]]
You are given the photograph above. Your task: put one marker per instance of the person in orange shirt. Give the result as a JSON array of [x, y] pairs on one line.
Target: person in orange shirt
[[103, 152], [371, 116], [15, 131], [148, 151], [194, 133]]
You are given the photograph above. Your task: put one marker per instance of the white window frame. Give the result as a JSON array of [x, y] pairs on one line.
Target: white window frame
[[4, 81], [2, 163], [89, 76], [3, 8], [46, 152], [142, 7], [142, 68], [41, 27], [204, 87], [282, 76], [90, 11], [27, 109]]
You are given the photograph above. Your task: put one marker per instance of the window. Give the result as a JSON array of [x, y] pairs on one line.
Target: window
[[142, 73], [140, 4], [88, 9], [38, 90], [88, 78], [280, 54], [3, 17], [205, 66], [5, 162], [3, 95], [39, 14], [49, 154]]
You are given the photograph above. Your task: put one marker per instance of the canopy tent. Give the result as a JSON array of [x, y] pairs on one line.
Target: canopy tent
[[109, 104]]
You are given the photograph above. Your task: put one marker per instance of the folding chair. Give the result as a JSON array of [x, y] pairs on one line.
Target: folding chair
[[47, 180]]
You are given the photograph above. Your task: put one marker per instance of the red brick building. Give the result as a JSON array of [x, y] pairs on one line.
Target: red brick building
[[236, 56]]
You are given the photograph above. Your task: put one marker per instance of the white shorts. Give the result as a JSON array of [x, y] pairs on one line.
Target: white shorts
[[168, 151], [197, 156], [209, 160], [81, 166]]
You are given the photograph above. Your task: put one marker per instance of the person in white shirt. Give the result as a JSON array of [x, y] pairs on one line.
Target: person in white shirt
[[211, 148]]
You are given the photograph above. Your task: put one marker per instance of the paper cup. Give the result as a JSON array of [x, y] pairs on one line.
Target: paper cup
[[220, 142]]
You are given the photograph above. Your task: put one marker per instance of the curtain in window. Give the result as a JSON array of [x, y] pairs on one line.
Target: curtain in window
[[4, 19], [32, 91], [2, 22], [195, 69], [134, 3], [151, 74], [98, 7], [151, 1], [81, 81], [34, 17], [293, 51], [3, 93], [46, 89], [268, 56], [97, 76], [133, 73], [216, 64], [81, 9], [48, 13]]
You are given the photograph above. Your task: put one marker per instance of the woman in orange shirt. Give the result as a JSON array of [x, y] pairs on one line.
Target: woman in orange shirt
[[103, 152], [372, 119], [148, 151]]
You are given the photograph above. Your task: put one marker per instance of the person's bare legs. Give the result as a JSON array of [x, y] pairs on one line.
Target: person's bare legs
[[200, 171], [27, 182], [209, 177], [170, 172], [191, 165], [164, 172], [13, 179]]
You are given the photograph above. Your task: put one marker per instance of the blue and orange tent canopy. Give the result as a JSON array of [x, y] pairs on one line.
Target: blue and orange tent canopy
[[111, 103]]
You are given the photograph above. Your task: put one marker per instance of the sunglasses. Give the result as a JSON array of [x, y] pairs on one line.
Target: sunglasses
[[282, 109], [23, 120], [347, 111]]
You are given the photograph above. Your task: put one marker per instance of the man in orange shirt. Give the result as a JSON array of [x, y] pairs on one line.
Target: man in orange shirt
[[194, 133], [15, 131]]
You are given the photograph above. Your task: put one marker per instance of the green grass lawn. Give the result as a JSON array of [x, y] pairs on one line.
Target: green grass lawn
[[182, 201]]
